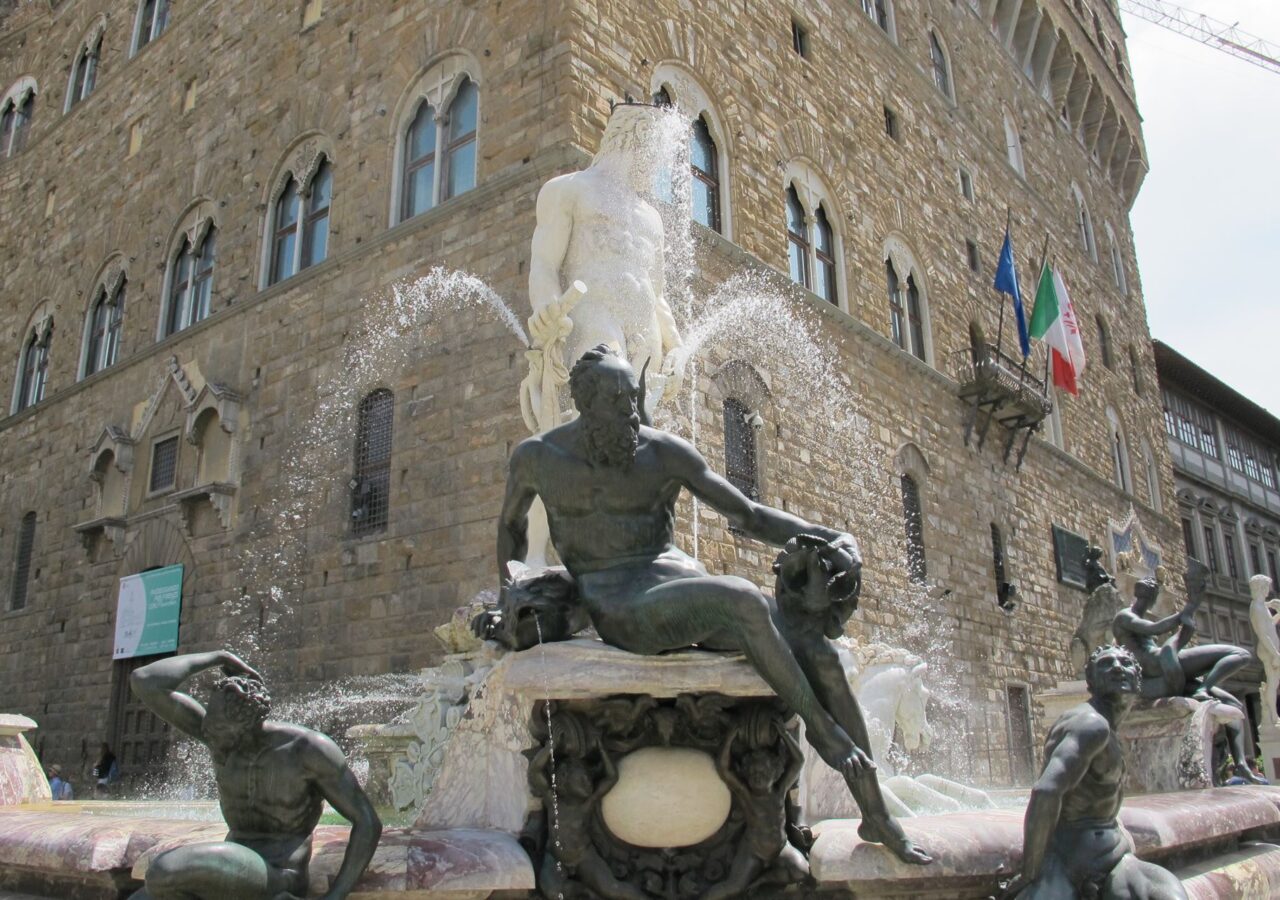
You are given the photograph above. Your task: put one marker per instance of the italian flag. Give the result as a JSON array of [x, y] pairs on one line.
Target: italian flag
[[1054, 321]]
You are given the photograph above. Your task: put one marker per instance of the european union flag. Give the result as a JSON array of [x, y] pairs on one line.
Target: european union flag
[[1007, 283]]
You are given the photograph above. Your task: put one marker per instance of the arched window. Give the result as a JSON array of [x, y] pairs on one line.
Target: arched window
[[913, 520], [1117, 262], [153, 17], [15, 122], [797, 240], [300, 240], [106, 320], [1135, 369], [439, 151], [824, 256], [1004, 588], [813, 241], [1119, 453], [1153, 482], [1084, 224], [675, 86], [880, 12], [906, 311], [1013, 144], [22, 562], [191, 283], [1104, 341], [33, 366], [706, 175], [371, 491], [84, 74], [941, 67], [740, 464]]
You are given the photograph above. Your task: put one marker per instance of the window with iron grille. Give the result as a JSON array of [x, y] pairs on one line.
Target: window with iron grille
[[1255, 559], [740, 448], [22, 568], [914, 523], [371, 486], [164, 465]]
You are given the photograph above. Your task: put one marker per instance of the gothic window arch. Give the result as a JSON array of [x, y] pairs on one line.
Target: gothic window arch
[[815, 251], [152, 19], [371, 484], [1084, 224], [1013, 144], [437, 138], [1117, 262], [709, 165], [908, 301], [17, 109], [189, 291], [298, 221], [84, 71], [881, 12], [33, 364], [104, 326], [913, 473], [1120, 471], [1135, 370], [1104, 341], [22, 562], [940, 64], [1152, 477]]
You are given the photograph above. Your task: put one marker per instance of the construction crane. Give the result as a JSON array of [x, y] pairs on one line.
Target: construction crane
[[1220, 35]]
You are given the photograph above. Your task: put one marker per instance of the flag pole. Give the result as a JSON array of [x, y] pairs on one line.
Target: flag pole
[[1008, 223], [1048, 351]]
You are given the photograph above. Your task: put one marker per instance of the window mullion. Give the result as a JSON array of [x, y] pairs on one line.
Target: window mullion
[[441, 161]]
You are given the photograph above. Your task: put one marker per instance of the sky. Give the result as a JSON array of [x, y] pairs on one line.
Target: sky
[[1207, 219]]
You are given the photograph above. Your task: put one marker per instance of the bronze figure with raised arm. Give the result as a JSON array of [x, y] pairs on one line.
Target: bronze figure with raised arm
[[273, 780], [610, 486], [1174, 668]]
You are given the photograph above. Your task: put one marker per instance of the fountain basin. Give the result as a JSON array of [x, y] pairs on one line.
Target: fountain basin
[[1216, 840]]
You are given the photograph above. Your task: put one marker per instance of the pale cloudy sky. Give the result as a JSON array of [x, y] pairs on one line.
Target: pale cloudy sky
[[1207, 220]]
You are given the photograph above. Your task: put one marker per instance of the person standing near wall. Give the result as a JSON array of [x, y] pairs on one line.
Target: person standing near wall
[[60, 787]]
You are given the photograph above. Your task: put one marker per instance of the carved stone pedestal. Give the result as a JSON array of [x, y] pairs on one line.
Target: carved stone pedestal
[[1269, 751], [1168, 743], [22, 779]]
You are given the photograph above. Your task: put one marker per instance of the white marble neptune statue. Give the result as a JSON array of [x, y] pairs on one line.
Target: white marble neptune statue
[[596, 276], [1263, 615]]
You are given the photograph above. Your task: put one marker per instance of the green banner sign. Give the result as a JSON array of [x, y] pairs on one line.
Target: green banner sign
[[147, 613]]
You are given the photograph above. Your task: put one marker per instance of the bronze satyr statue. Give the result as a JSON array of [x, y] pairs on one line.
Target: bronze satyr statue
[[610, 484], [273, 780], [1072, 844], [1173, 669]]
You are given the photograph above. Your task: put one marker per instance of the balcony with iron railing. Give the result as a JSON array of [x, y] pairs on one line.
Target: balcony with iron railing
[[996, 385]]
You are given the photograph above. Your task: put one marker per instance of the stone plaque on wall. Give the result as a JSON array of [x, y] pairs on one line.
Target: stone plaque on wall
[[1068, 556]]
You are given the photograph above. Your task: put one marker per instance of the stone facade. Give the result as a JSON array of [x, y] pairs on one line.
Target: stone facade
[[1223, 448], [205, 120]]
